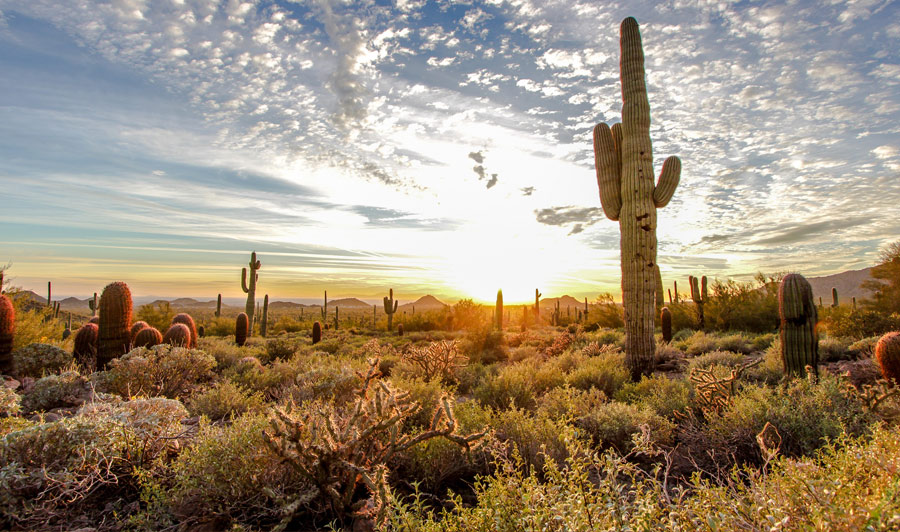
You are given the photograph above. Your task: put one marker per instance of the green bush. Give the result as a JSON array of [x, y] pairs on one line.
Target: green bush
[[224, 400], [606, 372], [832, 349], [864, 348], [158, 316], [10, 402], [66, 390], [616, 424], [715, 358], [519, 384], [662, 395], [843, 321], [697, 344], [485, 345], [283, 348], [37, 360], [160, 370], [536, 437]]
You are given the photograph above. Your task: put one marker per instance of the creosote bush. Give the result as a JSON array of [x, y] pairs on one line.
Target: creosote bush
[[160, 370], [225, 400], [37, 360]]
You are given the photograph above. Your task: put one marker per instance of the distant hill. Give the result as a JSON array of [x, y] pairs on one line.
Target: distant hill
[[348, 302], [428, 302], [564, 302], [847, 284]]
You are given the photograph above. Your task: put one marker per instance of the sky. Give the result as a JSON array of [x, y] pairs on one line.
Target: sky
[[434, 147]]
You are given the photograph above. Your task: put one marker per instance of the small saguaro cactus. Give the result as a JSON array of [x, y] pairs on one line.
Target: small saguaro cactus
[[49, 294], [665, 320], [86, 341], [834, 297], [219, 306], [699, 296], [797, 310], [250, 288], [67, 332], [147, 337], [241, 329], [675, 286], [317, 333], [188, 321], [178, 335], [390, 307], [887, 353], [325, 306], [7, 333], [93, 305], [337, 317], [374, 315], [264, 324], [623, 157], [498, 311], [537, 304], [115, 323]]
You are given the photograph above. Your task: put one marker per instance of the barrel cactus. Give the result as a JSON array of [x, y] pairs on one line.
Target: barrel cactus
[[665, 320], [887, 353], [316, 333], [86, 341], [137, 326], [178, 335], [187, 321], [115, 323], [799, 340], [147, 337], [623, 156], [241, 329], [7, 333]]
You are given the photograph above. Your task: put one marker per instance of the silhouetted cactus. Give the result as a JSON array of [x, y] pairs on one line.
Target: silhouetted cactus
[[178, 335], [699, 295], [887, 353], [537, 304], [316, 333], [115, 323], [834, 297], [337, 317], [86, 341], [201, 332], [498, 311], [264, 324], [187, 320], [250, 289], [665, 320], [49, 294], [7, 333], [624, 163], [390, 307], [241, 329], [797, 309], [219, 305], [325, 306], [67, 332], [147, 337], [94, 305], [400, 330], [137, 326]]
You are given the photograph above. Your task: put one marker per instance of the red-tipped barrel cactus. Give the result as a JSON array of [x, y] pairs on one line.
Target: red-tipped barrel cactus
[[317, 333], [623, 157], [400, 330], [799, 340], [241, 329], [665, 321], [86, 341], [187, 320], [147, 337], [115, 323], [137, 326], [887, 352], [178, 335], [7, 333]]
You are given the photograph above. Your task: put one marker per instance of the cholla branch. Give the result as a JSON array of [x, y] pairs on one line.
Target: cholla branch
[[437, 358], [715, 393]]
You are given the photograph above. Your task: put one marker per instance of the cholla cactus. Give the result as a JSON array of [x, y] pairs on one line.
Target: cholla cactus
[[714, 393], [338, 452], [624, 162], [440, 359]]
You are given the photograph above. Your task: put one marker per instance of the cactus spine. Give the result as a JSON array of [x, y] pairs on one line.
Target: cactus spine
[[665, 320], [250, 289], [7, 333], [317, 333], [264, 324], [115, 323], [699, 296], [241, 329], [624, 163], [887, 353], [797, 310], [834, 297], [498, 311], [219, 306], [390, 307]]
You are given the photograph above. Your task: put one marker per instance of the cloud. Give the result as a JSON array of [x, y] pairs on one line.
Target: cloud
[[476, 156], [492, 181], [580, 217], [527, 191]]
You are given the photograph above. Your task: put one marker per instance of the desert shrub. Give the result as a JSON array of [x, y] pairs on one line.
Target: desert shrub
[[536, 437], [158, 316], [160, 370], [569, 403], [219, 326], [10, 402], [736, 343], [662, 395], [270, 381], [523, 352], [697, 344], [284, 323], [715, 358], [225, 399], [227, 353], [425, 393], [59, 474], [485, 345], [560, 343], [831, 349], [65, 390], [743, 306], [229, 476], [282, 348], [684, 317], [864, 348], [425, 321], [329, 346], [763, 341], [806, 415], [334, 382], [615, 424], [37, 360], [519, 384], [843, 321], [607, 373], [472, 376], [609, 337], [770, 370], [467, 315], [667, 352], [438, 462], [604, 313], [34, 323], [438, 360]]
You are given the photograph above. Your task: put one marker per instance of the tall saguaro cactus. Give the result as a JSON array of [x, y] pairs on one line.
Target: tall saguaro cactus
[[250, 288], [537, 304], [623, 156], [498, 311], [699, 295], [390, 307]]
